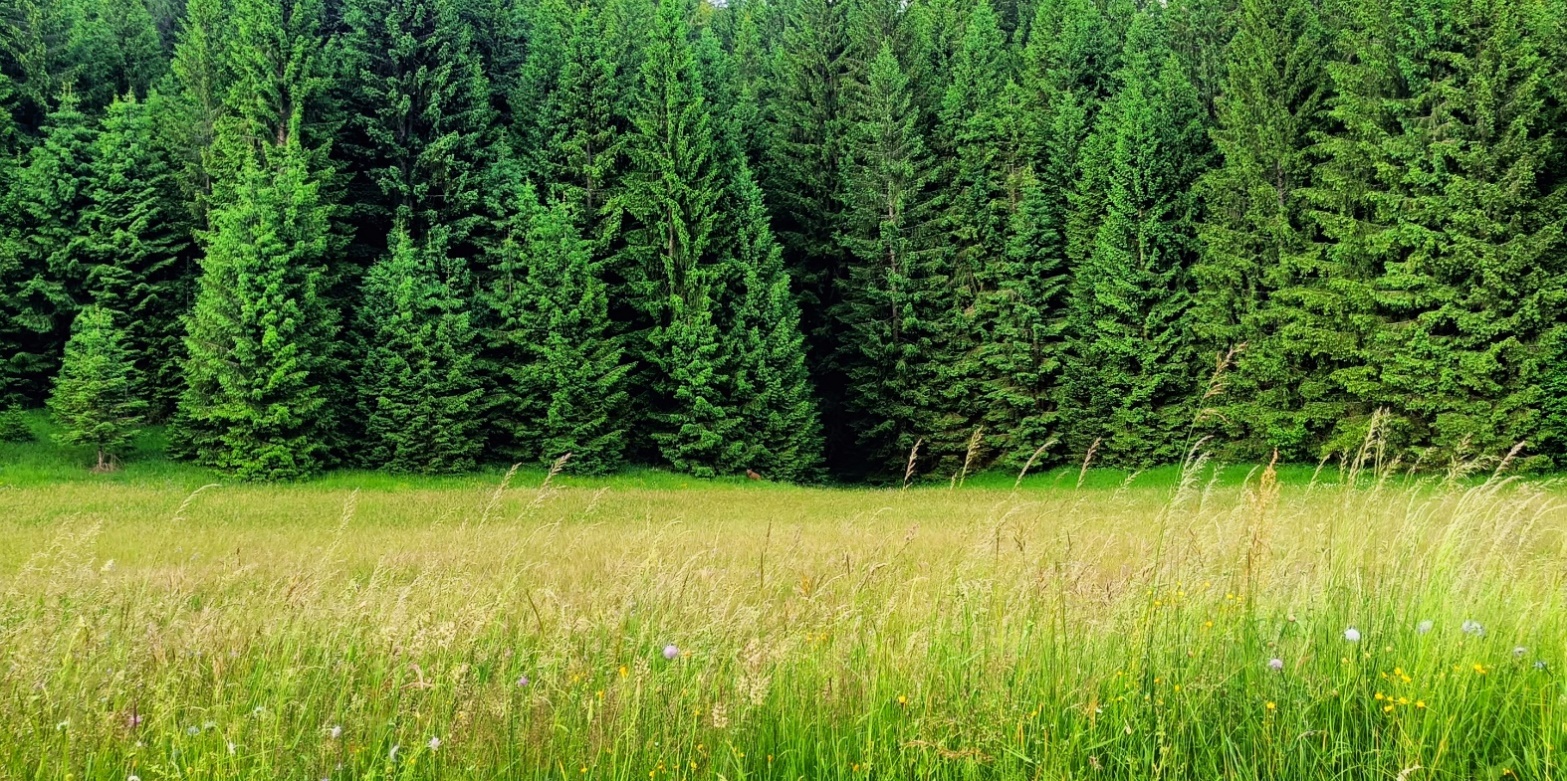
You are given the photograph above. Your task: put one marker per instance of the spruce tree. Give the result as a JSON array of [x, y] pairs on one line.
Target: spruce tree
[[40, 263], [417, 380], [1255, 236], [896, 297], [1132, 368], [260, 339], [135, 237], [420, 137], [564, 388], [671, 193], [95, 400]]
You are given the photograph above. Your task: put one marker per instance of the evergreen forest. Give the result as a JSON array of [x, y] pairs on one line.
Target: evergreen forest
[[809, 239]]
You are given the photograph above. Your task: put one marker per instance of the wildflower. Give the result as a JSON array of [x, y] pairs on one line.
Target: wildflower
[[231, 748], [336, 731], [624, 672], [1352, 634], [1539, 665], [1273, 706], [133, 721], [522, 681], [1275, 664], [1520, 651], [902, 700], [1421, 704], [670, 652], [391, 756], [1479, 669], [193, 730], [1388, 708], [435, 743], [133, 777], [1425, 627], [1472, 627]]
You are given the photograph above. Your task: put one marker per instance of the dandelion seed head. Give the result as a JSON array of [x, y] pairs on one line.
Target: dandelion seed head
[[1425, 627], [1352, 635], [1473, 627], [193, 730], [1539, 664]]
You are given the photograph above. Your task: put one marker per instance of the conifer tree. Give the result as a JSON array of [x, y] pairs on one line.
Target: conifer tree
[[420, 138], [801, 165], [111, 47], [42, 267], [1131, 370], [260, 339], [94, 399], [418, 381], [584, 150], [896, 298], [671, 192], [564, 389], [202, 82], [135, 237], [1255, 235]]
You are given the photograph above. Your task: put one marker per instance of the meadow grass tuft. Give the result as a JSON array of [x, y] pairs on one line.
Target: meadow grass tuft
[[1201, 627]]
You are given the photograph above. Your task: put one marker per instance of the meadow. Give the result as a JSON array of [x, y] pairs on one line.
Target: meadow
[[1203, 623]]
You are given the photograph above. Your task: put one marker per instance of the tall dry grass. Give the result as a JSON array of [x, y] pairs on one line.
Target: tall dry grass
[[1193, 632]]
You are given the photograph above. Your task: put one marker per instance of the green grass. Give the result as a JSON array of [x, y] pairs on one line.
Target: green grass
[[1123, 631]]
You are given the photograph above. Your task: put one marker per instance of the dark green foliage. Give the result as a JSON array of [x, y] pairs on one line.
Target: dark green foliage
[[1131, 374], [417, 377], [42, 277], [135, 240], [13, 426], [897, 302], [94, 399], [421, 131], [564, 387], [794, 236], [1255, 236]]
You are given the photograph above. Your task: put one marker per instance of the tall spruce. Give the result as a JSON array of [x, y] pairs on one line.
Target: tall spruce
[[419, 388], [671, 193], [260, 339], [1255, 236], [565, 386], [1131, 372], [135, 240], [896, 299], [95, 399]]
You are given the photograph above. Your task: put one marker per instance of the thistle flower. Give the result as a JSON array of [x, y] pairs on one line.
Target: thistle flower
[[670, 652], [1425, 627], [522, 681], [1352, 635], [1472, 627], [1276, 664]]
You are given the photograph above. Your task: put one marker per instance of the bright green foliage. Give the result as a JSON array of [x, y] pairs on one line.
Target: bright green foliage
[[261, 341], [1255, 236], [417, 380], [135, 240], [94, 398], [897, 301], [13, 426], [1131, 371], [41, 271], [421, 128], [565, 382]]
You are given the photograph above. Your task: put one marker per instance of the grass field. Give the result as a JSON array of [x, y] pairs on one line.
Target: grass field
[[1170, 626]]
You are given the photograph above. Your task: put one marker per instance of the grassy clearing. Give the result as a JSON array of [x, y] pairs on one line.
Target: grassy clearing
[[459, 630]]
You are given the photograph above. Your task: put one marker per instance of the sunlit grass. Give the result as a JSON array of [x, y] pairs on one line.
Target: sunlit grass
[[461, 630]]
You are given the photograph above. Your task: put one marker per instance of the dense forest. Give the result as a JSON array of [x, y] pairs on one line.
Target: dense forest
[[803, 237]]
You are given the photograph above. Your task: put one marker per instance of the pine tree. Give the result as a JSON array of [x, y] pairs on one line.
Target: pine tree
[[260, 339], [896, 298], [111, 48], [1131, 372], [671, 193], [418, 384], [585, 146], [1254, 235], [134, 238], [202, 83], [565, 385], [94, 399]]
